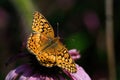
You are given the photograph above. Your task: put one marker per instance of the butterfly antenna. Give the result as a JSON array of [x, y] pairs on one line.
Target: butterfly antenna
[[57, 29]]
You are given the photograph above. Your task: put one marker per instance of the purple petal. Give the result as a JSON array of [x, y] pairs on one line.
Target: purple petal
[[22, 68], [49, 78], [13, 74], [79, 75], [74, 54], [26, 74], [35, 77], [42, 77]]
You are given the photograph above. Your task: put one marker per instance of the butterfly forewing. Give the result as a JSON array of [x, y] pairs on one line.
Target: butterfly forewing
[[36, 42], [41, 25]]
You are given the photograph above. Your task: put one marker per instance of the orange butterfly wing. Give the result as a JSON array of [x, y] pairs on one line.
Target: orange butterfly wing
[[41, 25], [63, 58], [39, 38]]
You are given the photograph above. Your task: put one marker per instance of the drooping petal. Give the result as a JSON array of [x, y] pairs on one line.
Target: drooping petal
[[36, 77], [79, 75], [26, 74], [74, 54], [13, 74]]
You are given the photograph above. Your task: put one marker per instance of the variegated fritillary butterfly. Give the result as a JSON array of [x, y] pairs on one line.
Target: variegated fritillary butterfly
[[48, 50]]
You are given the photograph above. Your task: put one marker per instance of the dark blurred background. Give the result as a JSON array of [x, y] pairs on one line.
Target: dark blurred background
[[90, 26]]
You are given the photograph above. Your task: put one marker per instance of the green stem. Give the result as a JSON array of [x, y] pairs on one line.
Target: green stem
[[25, 8]]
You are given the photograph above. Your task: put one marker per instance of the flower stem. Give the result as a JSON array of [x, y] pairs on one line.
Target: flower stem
[[110, 40]]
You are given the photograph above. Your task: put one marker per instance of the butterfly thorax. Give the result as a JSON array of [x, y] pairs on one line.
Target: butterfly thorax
[[51, 43]]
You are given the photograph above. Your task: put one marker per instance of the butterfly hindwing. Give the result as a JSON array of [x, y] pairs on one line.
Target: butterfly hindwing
[[47, 57], [63, 58]]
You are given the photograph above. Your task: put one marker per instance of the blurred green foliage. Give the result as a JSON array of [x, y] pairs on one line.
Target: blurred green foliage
[[79, 41]]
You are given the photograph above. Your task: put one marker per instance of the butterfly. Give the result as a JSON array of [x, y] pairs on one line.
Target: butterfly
[[47, 48]]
